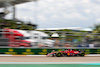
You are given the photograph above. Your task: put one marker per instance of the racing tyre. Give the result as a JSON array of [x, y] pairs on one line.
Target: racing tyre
[[82, 54], [59, 55]]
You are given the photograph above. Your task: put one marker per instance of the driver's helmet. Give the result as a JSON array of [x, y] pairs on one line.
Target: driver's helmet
[[69, 49], [53, 50]]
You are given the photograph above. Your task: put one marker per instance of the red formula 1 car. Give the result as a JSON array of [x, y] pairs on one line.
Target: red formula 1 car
[[66, 53]]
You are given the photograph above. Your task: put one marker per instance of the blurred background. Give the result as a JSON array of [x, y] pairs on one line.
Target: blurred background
[[31, 30], [49, 23]]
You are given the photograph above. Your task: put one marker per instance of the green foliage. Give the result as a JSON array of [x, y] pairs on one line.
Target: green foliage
[[96, 28], [69, 34], [96, 32], [14, 25]]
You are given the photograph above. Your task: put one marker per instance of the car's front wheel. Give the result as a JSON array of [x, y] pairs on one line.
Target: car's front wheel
[[82, 54], [59, 55]]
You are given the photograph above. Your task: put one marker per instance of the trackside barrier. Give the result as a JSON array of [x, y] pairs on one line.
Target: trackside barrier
[[42, 51]]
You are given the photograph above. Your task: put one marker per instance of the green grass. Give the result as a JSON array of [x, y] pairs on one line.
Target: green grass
[[47, 65]]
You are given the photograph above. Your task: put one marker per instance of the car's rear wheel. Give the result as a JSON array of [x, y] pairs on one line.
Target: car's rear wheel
[[82, 54]]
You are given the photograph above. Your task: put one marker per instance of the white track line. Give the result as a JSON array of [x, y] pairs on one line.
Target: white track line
[[5, 55], [49, 62], [20, 55], [93, 55], [35, 55]]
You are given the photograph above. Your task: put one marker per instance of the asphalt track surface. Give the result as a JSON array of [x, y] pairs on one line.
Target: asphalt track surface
[[27, 61], [47, 59]]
